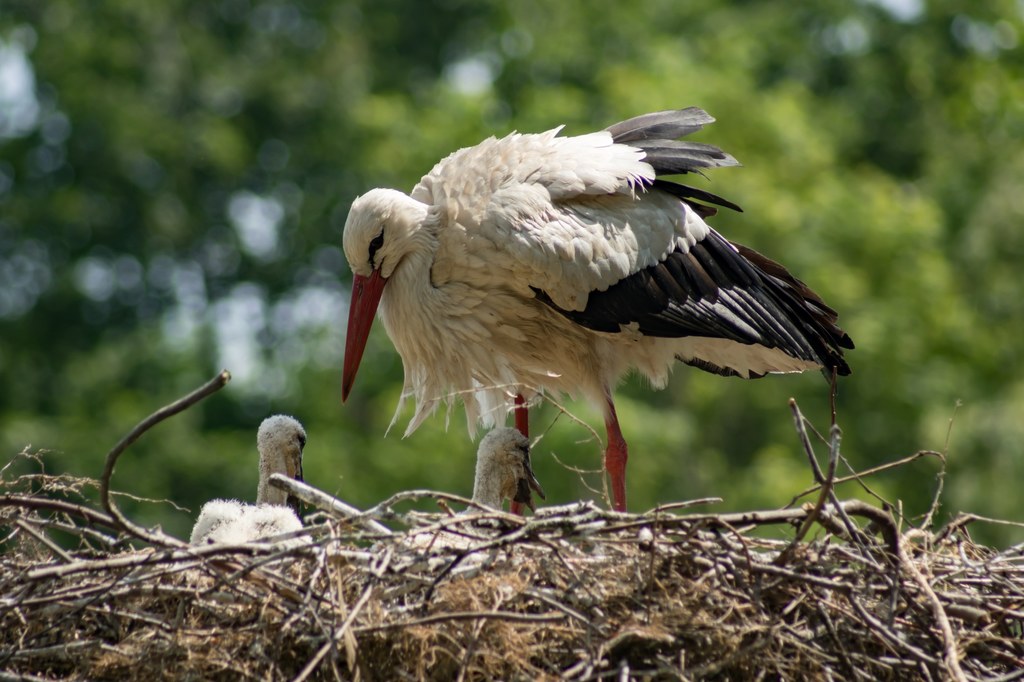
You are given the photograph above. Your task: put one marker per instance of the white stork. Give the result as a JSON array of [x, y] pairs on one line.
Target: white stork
[[539, 263]]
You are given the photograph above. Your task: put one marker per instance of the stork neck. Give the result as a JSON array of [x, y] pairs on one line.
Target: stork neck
[[412, 234], [409, 295], [266, 493], [487, 486]]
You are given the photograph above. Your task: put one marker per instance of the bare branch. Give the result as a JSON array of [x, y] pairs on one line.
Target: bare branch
[[156, 538], [327, 503]]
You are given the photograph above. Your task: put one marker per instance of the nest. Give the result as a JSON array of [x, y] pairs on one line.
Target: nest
[[574, 592]]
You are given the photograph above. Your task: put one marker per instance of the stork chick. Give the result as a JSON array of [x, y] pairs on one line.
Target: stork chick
[[503, 470], [280, 442]]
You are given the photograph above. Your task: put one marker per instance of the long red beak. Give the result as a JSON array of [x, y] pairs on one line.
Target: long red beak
[[366, 292]]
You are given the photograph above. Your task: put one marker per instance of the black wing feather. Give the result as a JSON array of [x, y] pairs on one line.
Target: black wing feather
[[676, 156], [685, 192]]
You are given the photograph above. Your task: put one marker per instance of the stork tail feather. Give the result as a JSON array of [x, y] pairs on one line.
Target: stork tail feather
[[656, 135], [665, 125]]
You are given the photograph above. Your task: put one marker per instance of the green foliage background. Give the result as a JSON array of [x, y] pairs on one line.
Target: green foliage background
[[174, 178]]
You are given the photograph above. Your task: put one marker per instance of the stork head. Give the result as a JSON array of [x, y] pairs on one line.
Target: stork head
[[280, 442], [378, 233]]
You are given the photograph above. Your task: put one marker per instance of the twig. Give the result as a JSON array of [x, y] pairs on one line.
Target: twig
[[686, 504], [21, 677], [941, 476], [833, 390], [555, 604], [881, 518], [327, 503], [963, 519], [801, 423], [508, 616], [383, 509], [27, 527], [826, 482], [155, 538], [887, 634], [63, 506], [950, 652], [338, 634], [62, 651], [870, 472]]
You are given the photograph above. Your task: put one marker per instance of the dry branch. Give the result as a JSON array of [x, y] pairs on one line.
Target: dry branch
[[152, 537], [327, 503]]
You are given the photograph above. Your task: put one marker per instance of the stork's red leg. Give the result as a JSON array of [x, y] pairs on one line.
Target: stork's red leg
[[615, 456], [522, 415], [523, 426]]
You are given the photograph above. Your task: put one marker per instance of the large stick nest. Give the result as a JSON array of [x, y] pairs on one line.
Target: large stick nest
[[573, 592]]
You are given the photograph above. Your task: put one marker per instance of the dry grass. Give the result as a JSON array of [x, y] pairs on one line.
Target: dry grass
[[574, 592]]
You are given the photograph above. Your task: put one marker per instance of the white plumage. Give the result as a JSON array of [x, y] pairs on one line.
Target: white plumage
[[234, 522], [542, 263], [280, 442]]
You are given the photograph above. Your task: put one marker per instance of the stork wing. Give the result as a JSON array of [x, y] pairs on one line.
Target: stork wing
[[721, 290], [569, 215]]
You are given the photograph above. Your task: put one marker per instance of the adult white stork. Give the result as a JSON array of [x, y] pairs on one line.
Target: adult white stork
[[543, 263]]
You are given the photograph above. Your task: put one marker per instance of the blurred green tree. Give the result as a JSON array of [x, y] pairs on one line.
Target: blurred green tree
[[174, 178]]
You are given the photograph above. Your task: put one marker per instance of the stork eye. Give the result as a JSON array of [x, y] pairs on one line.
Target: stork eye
[[375, 244], [302, 440]]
